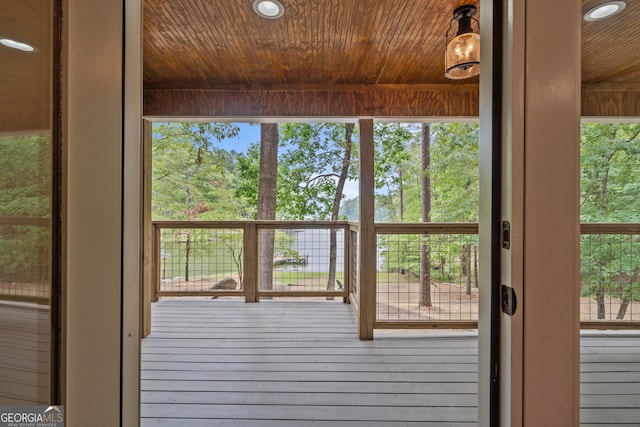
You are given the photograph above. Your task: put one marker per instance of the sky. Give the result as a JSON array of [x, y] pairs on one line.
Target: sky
[[249, 133]]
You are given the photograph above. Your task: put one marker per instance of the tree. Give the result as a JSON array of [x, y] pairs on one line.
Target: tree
[[609, 184], [267, 200], [392, 161], [192, 179], [25, 180], [337, 199], [444, 176], [425, 256]]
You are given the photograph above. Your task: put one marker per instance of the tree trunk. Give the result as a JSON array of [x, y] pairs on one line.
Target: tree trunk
[[600, 298], [467, 251], [425, 255], [464, 260], [267, 201], [624, 304], [401, 194], [475, 266], [344, 173], [187, 252], [600, 286]]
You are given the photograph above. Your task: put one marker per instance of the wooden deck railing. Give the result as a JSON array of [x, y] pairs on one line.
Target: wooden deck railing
[[427, 276], [222, 258], [25, 270], [610, 276]]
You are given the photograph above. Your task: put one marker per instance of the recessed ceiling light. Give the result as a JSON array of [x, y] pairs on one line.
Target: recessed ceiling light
[[17, 45], [270, 9], [604, 10]]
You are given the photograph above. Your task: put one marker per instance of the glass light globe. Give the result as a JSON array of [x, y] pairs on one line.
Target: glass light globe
[[462, 58], [270, 9]]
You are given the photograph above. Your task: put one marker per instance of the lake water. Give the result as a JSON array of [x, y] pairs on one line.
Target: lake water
[[315, 245]]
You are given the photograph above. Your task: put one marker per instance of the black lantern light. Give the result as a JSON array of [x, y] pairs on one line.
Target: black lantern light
[[462, 57]]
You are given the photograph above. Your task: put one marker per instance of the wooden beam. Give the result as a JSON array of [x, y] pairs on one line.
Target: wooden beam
[[435, 100], [316, 101], [367, 251], [611, 100]]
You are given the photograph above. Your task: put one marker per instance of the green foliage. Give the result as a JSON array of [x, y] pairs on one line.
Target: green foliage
[[309, 162], [25, 176], [249, 176], [454, 173], [308, 169], [193, 179], [25, 188], [609, 188], [210, 254], [610, 176]]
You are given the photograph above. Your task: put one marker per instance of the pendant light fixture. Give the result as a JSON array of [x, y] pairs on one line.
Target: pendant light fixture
[[462, 56]]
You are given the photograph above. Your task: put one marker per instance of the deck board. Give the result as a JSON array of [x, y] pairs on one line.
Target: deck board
[[24, 353], [295, 363]]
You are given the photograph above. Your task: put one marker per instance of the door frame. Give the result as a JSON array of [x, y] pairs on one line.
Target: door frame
[[529, 362]]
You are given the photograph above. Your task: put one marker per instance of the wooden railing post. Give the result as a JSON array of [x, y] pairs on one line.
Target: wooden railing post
[[148, 281], [368, 247], [250, 262], [157, 261], [347, 264]]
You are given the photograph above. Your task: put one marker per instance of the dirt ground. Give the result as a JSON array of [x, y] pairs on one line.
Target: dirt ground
[[399, 297]]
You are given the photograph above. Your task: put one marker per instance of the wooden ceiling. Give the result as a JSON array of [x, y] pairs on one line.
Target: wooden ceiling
[[218, 57], [195, 44], [322, 58], [25, 77], [611, 47]]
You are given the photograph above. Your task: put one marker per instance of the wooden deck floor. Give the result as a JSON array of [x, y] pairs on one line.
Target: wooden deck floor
[[284, 364], [24, 353]]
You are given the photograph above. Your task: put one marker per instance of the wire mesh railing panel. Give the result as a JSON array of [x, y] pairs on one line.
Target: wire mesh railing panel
[[355, 244], [201, 259], [301, 259], [610, 277], [427, 277], [25, 261]]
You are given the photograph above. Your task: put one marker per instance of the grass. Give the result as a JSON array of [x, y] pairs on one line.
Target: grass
[[211, 261]]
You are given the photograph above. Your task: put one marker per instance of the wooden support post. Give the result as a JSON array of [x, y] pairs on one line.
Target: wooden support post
[[157, 262], [250, 262], [148, 284], [367, 250], [347, 264]]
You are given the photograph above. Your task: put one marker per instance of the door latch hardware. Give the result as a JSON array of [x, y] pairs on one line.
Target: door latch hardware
[[506, 235], [508, 300]]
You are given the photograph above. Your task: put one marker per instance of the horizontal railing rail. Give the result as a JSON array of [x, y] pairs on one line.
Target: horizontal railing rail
[[609, 228]]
